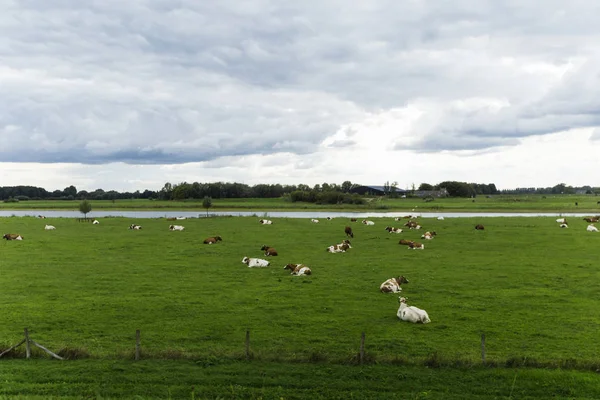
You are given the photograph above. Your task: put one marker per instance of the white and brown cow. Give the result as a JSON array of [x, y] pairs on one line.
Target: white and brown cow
[[255, 262], [265, 222], [12, 236], [298, 269], [339, 248], [391, 229], [428, 235], [135, 227], [416, 246], [392, 285], [368, 222], [176, 228]]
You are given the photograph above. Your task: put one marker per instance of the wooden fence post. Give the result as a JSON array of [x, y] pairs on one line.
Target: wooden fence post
[[362, 348], [137, 344], [27, 344], [247, 344], [483, 348]]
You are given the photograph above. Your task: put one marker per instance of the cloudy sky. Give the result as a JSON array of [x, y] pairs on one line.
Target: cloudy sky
[[128, 95]]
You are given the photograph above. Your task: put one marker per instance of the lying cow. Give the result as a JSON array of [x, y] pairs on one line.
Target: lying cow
[[12, 236], [591, 228], [212, 240], [269, 251], [135, 227], [298, 269], [428, 235], [49, 227], [391, 229], [479, 227], [176, 228], [315, 221], [416, 246], [265, 222], [255, 262], [339, 248], [367, 222], [392, 285]]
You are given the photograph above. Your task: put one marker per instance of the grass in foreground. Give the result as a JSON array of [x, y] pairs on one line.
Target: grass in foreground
[[212, 379]]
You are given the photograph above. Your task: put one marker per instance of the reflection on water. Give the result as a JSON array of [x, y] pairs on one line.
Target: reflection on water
[[271, 214]]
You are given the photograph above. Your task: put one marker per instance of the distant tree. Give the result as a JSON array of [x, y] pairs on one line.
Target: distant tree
[[70, 191], [207, 203], [386, 187], [394, 189], [346, 186], [425, 186], [85, 207]]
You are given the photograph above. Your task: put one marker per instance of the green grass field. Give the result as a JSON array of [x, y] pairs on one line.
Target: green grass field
[[82, 290], [496, 203]]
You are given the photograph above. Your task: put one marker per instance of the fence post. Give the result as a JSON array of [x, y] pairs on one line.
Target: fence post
[[27, 344], [137, 344], [247, 344], [362, 348], [483, 348]]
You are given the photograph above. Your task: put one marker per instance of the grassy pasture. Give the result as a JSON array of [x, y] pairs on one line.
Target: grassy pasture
[[496, 203], [530, 286]]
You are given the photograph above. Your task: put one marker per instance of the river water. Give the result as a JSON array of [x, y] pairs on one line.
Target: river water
[[272, 214]]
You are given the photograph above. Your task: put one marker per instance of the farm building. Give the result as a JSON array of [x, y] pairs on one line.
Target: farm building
[[374, 190]]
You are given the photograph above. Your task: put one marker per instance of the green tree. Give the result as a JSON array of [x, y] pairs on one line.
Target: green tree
[[425, 186], [207, 203], [85, 207], [346, 186]]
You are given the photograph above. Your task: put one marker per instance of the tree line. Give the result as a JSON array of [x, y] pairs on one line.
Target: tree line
[[325, 192]]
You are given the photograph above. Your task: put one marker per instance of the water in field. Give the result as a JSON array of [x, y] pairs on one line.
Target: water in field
[[271, 214]]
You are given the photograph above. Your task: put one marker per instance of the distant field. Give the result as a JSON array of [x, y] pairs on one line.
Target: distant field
[[498, 203], [82, 290]]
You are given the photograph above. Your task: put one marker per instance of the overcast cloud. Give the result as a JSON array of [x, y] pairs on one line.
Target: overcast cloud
[[128, 95]]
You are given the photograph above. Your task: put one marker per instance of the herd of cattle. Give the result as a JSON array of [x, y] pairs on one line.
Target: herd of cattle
[[391, 285]]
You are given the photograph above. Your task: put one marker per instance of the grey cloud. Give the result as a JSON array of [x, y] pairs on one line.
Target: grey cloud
[[156, 81]]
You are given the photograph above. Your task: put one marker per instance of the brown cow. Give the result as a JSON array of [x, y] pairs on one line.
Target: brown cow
[[348, 231], [269, 251], [212, 240], [392, 285], [591, 219], [479, 227], [405, 242]]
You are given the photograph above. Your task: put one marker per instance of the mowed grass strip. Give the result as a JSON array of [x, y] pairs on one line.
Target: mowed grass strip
[[210, 379], [526, 284]]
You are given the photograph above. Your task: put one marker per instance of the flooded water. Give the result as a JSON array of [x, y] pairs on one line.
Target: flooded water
[[271, 214]]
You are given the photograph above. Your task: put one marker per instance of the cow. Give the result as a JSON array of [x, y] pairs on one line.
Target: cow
[[298, 269], [561, 220], [416, 246], [135, 227], [353, 220], [405, 242], [591, 228], [348, 231], [411, 313], [339, 248], [49, 227], [479, 227], [392, 285], [212, 240], [176, 228], [12, 236], [412, 225], [316, 221], [95, 222], [265, 222], [591, 219], [255, 262], [564, 225], [269, 251], [41, 217], [428, 235], [391, 229], [367, 222]]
